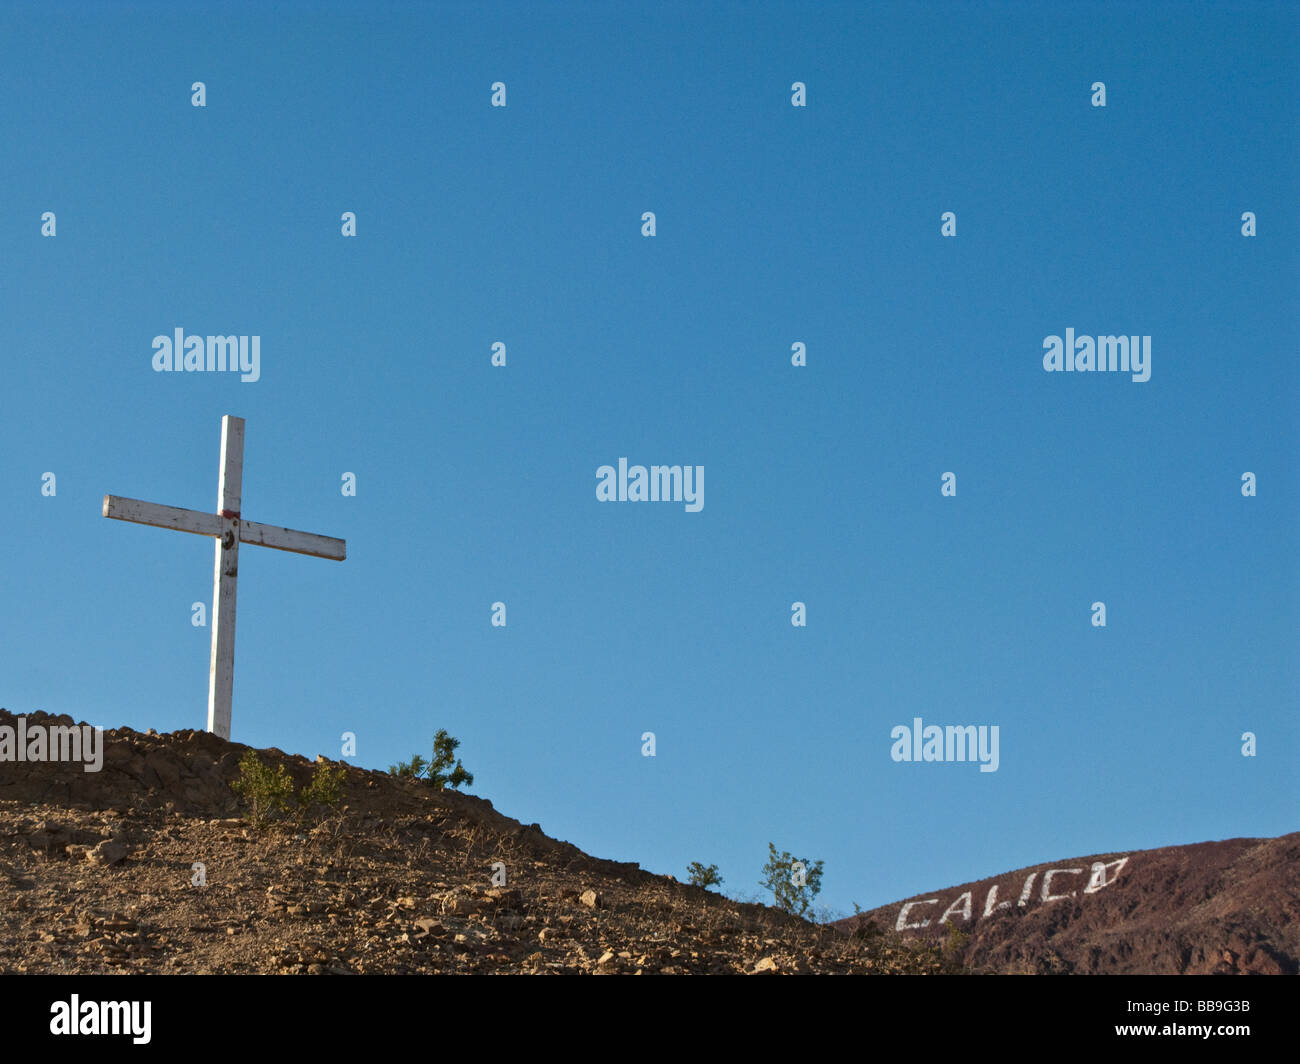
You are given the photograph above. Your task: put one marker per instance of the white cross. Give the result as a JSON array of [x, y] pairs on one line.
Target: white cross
[[230, 530]]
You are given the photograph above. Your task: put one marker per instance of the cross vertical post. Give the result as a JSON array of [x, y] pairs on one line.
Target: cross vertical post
[[221, 670]]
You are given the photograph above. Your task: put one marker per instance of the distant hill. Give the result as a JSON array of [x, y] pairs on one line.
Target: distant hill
[[1230, 907]]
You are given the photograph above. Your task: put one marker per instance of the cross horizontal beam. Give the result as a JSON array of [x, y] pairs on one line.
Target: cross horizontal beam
[[173, 517], [205, 524], [335, 550]]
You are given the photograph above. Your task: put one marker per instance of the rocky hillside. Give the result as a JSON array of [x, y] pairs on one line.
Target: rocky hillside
[[1228, 907], [152, 865]]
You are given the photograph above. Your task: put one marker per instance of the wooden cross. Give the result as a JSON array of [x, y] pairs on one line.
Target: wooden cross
[[229, 529]]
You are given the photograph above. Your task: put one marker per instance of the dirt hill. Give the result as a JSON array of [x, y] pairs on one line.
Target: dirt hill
[[153, 865], [97, 875], [1229, 907]]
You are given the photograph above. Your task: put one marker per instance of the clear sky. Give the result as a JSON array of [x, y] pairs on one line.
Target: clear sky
[[775, 225]]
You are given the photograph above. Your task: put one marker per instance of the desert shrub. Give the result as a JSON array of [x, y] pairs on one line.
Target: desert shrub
[[444, 757], [445, 770], [955, 945], [268, 793], [699, 876], [325, 788], [409, 770], [791, 893]]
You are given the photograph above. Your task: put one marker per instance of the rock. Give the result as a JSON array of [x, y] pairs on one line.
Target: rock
[[108, 852], [425, 926], [767, 964], [117, 753], [454, 904], [164, 766], [591, 900]]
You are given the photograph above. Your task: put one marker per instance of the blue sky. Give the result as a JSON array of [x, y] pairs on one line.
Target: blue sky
[[775, 225]]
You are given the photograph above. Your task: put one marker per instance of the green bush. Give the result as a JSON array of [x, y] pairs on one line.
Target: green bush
[[270, 794], [789, 895], [436, 772], [955, 944], [703, 877], [409, 770], [325, 787], [267, 793]]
